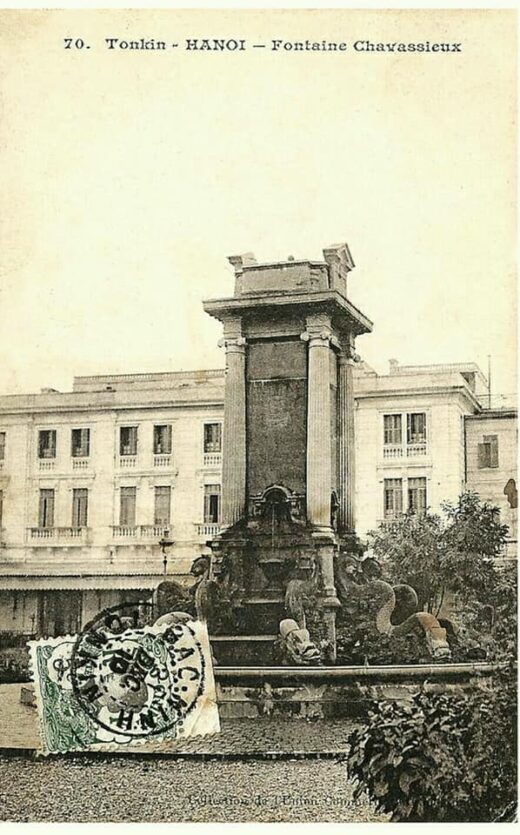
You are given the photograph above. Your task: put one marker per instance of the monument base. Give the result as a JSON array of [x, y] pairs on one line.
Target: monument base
[[335, 692]]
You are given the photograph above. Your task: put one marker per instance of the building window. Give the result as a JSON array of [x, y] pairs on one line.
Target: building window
[[46, 509], [212, 437], [417, 495], [80, 443], [47, 443], [211, 503], [162, 440], [416, 428], [1, 508], [127, 502], [393, 497], [2, 446], [488, 452], [80, 507], [162, 505], [392, 429], [128, 440]]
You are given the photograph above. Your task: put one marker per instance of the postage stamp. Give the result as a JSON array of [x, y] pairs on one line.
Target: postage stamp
[[123, 681]]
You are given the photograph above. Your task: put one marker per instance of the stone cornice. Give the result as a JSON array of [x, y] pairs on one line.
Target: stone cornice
[[329, 300], [417, 391]]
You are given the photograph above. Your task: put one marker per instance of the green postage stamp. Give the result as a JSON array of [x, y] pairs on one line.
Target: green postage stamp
[[123, 682]]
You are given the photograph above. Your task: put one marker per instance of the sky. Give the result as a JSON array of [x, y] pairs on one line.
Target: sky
[[128, 177]]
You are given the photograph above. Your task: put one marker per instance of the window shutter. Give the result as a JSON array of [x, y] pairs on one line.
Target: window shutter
[[79, 507], [211, 503], [398, 497], [127, 506], [46, 509], [492, 441], [162, 505]]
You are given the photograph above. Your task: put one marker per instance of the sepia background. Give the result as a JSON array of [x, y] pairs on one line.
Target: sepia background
[[128, 177]]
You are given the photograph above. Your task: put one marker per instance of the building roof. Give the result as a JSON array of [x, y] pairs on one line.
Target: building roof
[[492, 414]]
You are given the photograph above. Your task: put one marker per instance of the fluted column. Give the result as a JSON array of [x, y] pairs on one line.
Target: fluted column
[[234, 441], [319, 462], [346, 440]]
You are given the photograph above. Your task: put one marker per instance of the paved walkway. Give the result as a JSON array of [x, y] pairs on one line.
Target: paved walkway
[[18, 722]]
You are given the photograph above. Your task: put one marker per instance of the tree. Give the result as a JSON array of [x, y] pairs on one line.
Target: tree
[[455, 552], [411, 552], [472, 540]]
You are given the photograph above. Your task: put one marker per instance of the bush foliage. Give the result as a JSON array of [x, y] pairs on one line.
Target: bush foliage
[[440, 758]]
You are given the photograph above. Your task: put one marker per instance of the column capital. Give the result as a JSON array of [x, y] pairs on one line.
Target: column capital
[[236, 344], [348, 357], [324, 339]]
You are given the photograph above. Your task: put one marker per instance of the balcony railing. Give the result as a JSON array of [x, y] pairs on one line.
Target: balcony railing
[[58, 536], [408, 451], [212, 459], [207, 529], [416, 449], [47, 466], [138, 533], [127, 462], [392, 451], [80, 463], [162, 460]]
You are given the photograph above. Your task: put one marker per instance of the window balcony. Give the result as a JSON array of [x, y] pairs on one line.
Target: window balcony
[[392, 451], [161, 460], [127, 462], [140, 533], [46, 466], [58, 536], [396, 451], [206, 530], [80, 463], [212, 459], [416, 449]]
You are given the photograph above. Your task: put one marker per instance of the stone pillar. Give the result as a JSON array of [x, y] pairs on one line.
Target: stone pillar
[[329, 601], [346, 443], [319, 461], [234, 442], [319, 464]]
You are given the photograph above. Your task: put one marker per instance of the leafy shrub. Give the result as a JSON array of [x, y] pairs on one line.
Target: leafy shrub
[[8, 640], [14, 665], [360, 643], [440, 757]]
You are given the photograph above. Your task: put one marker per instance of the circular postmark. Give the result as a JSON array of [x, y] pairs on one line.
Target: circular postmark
[[134, 677]]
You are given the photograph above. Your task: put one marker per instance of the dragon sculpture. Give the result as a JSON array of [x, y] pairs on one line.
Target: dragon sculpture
[[394, 608]]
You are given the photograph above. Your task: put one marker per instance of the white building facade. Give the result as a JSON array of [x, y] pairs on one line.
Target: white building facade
[[109, 488]]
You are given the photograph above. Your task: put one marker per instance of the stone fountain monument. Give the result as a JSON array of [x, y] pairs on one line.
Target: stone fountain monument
[[288, 458]]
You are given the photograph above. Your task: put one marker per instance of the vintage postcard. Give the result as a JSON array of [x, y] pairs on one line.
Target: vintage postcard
[[258, 415]]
